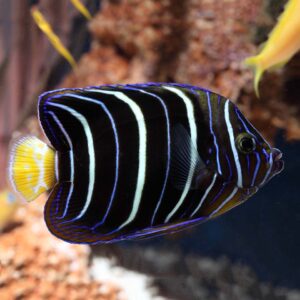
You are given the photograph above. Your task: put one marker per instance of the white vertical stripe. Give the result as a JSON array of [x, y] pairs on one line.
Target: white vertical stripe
[[193, 129], [232, 143], [142, 150], [213, 133], [205, 194], [116, 137], [168, 151], [91, 153], [71, 153], [225, 201]]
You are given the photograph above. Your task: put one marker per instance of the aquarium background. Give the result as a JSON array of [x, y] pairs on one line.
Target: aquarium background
[[252, 252]]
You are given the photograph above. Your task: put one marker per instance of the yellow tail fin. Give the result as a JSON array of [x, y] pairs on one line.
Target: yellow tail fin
[[254, 62], [31, 168]]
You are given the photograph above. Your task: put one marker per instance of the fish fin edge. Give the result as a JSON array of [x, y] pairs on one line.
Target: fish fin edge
[[31, 167]]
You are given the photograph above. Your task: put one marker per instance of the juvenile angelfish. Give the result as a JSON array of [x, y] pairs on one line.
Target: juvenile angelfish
[[134, 161]]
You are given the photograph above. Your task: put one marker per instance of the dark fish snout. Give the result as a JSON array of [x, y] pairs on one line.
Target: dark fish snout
[[278, 163]]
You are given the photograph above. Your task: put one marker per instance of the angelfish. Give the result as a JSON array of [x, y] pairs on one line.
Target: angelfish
[[142, 160]]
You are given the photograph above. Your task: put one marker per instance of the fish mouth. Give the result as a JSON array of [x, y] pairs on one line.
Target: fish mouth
[[276, 168], [278, 163]]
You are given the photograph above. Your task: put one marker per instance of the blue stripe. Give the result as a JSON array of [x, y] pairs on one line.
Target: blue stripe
[[59, 124], [219, 194], [238, 113], [267, 156], [213, 134], [256, 168], [248, 163], [229, 165], [258, 159]]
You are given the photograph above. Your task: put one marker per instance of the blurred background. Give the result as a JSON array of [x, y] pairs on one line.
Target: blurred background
[[250, 253]]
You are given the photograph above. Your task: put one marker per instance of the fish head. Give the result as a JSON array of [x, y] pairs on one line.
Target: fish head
[[248, 159]]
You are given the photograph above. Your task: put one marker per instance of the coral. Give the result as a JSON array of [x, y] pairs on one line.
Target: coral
[[36, 265], [197, 42], [165, 41]]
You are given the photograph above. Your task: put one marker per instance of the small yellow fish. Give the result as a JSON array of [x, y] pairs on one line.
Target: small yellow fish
[[8, 206], [81, 8], [53, 38], [282, 45]]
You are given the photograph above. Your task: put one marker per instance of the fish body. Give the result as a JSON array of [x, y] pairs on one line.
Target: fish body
[[134, 161], [283, 42]]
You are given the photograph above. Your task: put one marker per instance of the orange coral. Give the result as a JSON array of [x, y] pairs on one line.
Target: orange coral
[[36, 265], [198, 42]]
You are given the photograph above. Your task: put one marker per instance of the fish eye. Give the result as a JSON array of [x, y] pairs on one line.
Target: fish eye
[[245, 143]]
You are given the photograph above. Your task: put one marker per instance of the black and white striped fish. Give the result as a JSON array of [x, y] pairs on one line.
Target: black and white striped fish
[[133, 161]]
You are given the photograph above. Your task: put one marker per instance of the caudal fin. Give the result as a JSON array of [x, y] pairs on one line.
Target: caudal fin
[[31, 168], [254, 62]]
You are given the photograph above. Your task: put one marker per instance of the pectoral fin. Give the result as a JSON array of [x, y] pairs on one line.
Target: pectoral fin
[[186, 163]]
